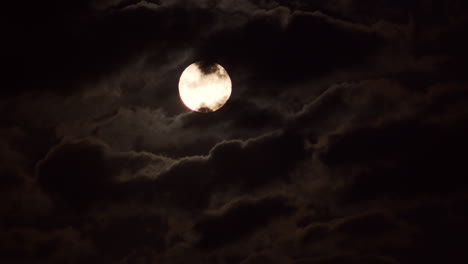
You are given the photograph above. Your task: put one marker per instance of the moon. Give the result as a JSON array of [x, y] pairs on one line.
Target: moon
[[204, 87]]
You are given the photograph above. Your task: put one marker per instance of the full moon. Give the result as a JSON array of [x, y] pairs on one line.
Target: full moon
[[204, 87]]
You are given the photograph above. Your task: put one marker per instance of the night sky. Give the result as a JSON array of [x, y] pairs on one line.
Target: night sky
[[344, 140]]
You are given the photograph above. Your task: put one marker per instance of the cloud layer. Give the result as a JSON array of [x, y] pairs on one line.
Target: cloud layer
[[342, 142]]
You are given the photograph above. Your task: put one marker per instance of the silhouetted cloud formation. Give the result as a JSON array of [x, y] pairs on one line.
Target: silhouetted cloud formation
[[343, 140]]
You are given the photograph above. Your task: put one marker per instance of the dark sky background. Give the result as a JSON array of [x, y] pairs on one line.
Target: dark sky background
[[344, 141]]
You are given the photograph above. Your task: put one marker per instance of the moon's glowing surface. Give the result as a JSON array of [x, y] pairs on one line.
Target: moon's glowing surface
[[204, 87]]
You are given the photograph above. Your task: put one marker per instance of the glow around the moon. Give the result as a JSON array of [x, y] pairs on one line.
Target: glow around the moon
[[204, 87]]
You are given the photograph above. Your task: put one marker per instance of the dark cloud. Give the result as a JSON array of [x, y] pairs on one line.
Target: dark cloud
[[367, 225], [82, 172], [241, 117], [239, 220], [230, 166], [440, 229], [36, 246], [11, 172], [390, 170], [73, 169], [342, 141], [70, 49], [308, 46], [188, 183], [207, 67], [117, 238]]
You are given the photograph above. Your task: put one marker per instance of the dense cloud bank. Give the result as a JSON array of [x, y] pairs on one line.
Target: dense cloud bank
[[343, 141]]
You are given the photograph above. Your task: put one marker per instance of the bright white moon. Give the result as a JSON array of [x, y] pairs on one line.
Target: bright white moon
[[204, 87]]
